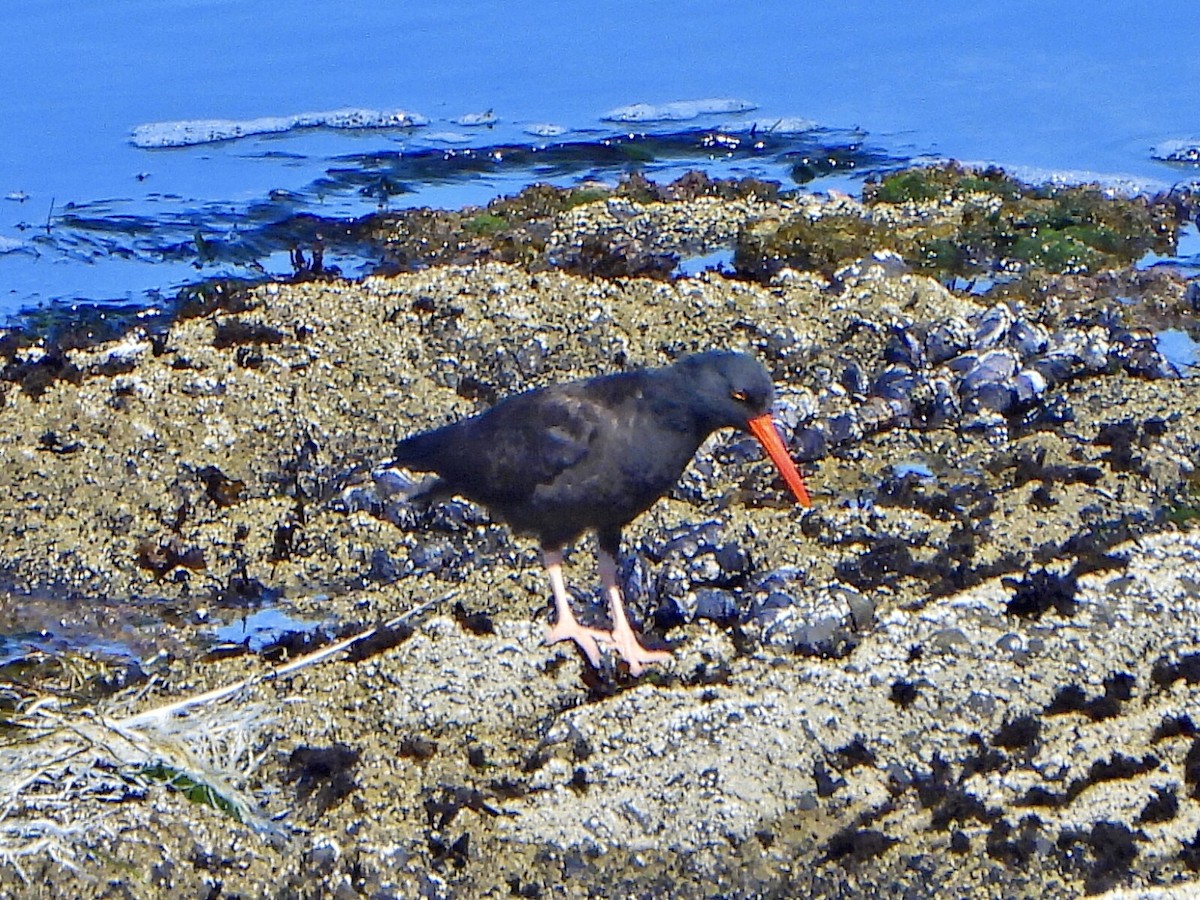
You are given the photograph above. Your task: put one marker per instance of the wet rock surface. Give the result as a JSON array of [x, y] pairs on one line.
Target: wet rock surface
[[971, 667]]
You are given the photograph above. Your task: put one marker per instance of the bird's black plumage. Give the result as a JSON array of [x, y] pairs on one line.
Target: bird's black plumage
[[560, 460], [592, 455]]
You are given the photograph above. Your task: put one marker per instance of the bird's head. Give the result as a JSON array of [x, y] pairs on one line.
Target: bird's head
[[733, 390], [727, 389]]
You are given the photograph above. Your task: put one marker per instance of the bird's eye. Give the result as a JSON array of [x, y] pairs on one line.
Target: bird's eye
[[739, 396]]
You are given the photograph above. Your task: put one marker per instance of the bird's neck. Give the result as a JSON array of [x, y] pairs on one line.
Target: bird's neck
[[674, 407]]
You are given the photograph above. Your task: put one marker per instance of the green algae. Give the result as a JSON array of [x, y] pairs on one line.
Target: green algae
[[193, 790], [583, 196], [485, 223], [518, 228], [951, 221], [939, 182], [1057, 251], [803, 242]]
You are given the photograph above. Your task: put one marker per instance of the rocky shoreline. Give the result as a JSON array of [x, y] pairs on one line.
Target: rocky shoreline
[[969, 670]]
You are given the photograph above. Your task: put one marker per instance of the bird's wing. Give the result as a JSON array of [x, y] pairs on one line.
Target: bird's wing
[[525, 441]]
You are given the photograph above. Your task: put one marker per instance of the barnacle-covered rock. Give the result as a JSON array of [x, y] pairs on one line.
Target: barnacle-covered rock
[[858, 662], [784, 611]]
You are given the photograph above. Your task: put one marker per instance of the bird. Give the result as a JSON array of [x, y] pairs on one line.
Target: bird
[[592, 455]]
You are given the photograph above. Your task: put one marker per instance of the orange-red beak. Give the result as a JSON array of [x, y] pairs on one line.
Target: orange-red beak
[[763, 428]]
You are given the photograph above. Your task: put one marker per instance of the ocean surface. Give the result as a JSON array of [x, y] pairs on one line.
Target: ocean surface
[[151, 143]]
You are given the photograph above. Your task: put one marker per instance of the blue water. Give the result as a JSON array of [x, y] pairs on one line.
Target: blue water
[[1067, 87], [1180, 350], [260, 629]]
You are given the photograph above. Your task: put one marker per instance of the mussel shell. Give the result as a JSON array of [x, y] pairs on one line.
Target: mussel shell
[[904, 347], [992, 396], [942, 406], [992, 326], [995, 367], [948, 339], [808, 444], [1029, 386], [878, 413], [1055, 368], [894, 383], [842, 429], [854, 378], [1028, 338]]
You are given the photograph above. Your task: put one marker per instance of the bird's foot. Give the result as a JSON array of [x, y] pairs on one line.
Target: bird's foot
[[623, 638], [587, 639], [625, 641]]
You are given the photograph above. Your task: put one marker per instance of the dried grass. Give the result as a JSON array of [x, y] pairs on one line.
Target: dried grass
[[64, 768]]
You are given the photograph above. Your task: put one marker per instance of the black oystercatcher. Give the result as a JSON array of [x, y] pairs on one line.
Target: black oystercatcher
[[593, 455]]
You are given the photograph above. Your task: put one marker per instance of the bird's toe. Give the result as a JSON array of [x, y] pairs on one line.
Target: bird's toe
[[638, 656], [586, 639]]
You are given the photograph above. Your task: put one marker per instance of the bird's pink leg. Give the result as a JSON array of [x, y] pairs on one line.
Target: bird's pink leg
[[623, 637], [567, 628]]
